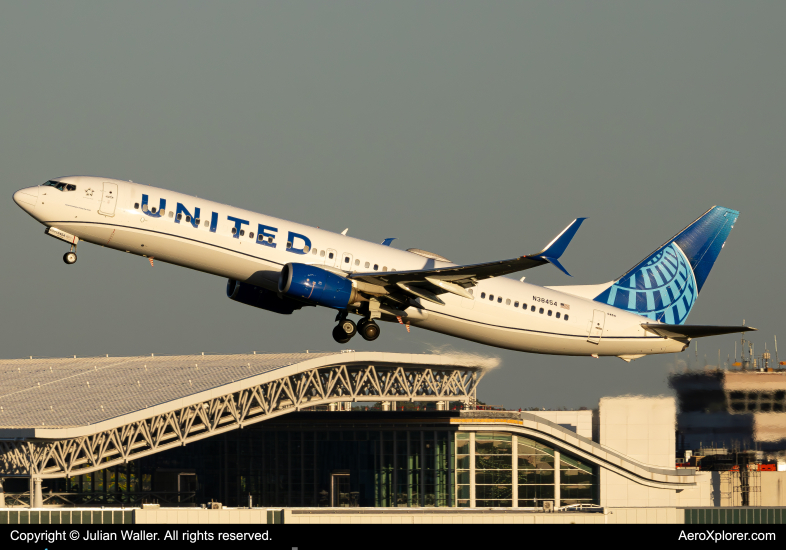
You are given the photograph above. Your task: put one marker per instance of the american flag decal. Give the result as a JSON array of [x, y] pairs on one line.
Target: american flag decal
[[402, 322], [564, 306]]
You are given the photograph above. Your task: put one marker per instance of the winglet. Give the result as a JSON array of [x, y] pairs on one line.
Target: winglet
[[387, 241], [557, 247], [555, 263]]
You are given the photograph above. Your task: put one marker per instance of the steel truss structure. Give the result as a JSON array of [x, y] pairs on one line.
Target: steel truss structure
[[57, 458]]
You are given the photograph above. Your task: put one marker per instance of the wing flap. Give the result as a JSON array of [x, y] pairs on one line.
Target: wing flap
[[693, 331]]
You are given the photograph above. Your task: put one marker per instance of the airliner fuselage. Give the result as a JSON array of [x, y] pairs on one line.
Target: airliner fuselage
[[253, 249]]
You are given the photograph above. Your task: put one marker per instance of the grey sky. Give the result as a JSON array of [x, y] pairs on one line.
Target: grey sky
[[477, 130]]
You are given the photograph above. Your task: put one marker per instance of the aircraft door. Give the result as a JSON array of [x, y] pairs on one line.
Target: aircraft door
[[331, 258], [596, 329], [346, 262], [108, 199]]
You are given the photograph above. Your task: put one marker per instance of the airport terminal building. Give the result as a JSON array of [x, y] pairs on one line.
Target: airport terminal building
[[334, 431]]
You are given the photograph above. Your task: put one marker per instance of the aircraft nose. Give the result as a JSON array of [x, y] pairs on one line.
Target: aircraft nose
[[26, 198]]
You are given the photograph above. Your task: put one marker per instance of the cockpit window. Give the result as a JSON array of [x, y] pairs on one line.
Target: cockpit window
[[60, 186]]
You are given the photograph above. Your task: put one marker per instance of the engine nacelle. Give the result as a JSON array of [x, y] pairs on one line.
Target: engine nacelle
[[260, 297], [315, 285]]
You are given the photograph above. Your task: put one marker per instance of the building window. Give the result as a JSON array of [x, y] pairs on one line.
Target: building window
[[493, 470], [535, 473], [463, 481]]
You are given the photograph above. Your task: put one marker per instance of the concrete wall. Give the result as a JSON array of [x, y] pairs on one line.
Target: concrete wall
[[198, 515], [640, 427], [579, 422], [704, 494]]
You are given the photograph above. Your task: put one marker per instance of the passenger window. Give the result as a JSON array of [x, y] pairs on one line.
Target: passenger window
[[357, 262], [188, 219], [557, 315], [507, 302], [251, 235], [541, 311], [196, 220], [533, 309], [491, 297], [180, 217], [306, 249], [524, 307], [321, 253], [270, 240], [482, 295], [234, 229], [549, 313], [207, 223], [314, 251], [171, 214], [470, 291], [136, 206], [499, 300], [144, 208], [566, 316], [329, 255], [384, 268], [346, 259], [153, 210], [366, 264], [289, 245], [242, 231], [516, 304], [376, 267]]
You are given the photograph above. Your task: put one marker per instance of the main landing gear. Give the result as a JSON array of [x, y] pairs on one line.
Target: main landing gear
[[346, 329]]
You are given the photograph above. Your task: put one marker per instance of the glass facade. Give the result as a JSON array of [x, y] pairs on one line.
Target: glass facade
[[511, 470], [343, 459]]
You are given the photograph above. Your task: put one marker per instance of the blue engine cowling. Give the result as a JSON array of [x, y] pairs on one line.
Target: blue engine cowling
[[260, 297], [315, 285]]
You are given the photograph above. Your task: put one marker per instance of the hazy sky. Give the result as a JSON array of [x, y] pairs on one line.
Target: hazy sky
[[477, 130]]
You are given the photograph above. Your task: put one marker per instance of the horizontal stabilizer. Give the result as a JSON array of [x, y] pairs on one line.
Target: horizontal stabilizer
[[692, 331]]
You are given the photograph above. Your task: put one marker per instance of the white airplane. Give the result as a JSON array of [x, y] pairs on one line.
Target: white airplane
[[282, 266]]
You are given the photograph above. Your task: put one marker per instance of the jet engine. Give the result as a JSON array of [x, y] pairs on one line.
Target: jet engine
[[316, 285], [260, 297]]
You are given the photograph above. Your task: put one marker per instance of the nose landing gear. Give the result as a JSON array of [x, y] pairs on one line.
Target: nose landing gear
[[70, 256]]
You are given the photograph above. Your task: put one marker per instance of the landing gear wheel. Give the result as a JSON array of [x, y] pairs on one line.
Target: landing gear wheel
[[348, 327], [340, 336], [69, 258], [369, 330]]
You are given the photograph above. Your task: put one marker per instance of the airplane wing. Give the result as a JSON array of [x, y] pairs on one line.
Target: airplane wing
[[428, 283], [692, 331]]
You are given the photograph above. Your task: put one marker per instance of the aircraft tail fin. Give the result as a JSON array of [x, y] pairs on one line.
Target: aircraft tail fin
[[665, 285]]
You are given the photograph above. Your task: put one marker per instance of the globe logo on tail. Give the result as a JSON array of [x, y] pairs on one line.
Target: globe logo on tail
[[662, 287]]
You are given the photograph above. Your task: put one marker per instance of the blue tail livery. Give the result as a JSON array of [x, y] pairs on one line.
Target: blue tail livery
[[665, 285]]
